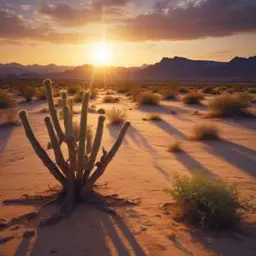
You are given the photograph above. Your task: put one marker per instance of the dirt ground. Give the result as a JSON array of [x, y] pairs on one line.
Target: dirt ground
[[141, 169]]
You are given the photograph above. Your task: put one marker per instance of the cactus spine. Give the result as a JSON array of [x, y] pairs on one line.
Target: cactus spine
[[80, 171]]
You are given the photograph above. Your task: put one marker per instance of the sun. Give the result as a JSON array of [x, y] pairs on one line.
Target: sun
[[101, 53]]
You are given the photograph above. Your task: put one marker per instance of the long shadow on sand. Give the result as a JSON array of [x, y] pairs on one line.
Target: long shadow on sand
[[87, 232], [5, 134], [169, 129], [248, 123], [242, 157], [162, 171], [191, 164], [240, 242], [114, 131]]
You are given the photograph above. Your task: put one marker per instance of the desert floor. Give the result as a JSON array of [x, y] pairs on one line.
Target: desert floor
[[141, 169]]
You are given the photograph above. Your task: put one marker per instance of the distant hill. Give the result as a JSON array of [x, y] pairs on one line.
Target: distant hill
[[168, 69]]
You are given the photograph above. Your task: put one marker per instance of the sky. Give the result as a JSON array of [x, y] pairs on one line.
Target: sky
[[135, 32]]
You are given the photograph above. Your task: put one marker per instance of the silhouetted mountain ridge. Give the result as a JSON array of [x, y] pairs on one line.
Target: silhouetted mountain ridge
[[176, 68]]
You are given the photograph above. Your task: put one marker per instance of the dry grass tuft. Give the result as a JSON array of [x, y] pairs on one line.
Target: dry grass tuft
[[154, 117], [5, 100], [228, 105], [148, 98], [41, 94], [175, 147], [9, 118], [206, 131], [110, 99], [116, 116], [193, 98], [27, 92]]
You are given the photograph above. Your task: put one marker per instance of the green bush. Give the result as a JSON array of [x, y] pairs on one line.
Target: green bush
[[209, 202], [193, 98], [148, 98], [5, 100]]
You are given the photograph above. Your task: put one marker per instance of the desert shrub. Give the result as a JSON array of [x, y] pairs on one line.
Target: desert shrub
[[170, 94], [175, 147], [110, 99], [206, 131], [78, 97], [41, 94], [154, 117], [183, 90], [193, 98], [208, 90], [9, 118], [73, 89], [93, 94], [5, 100], [252, 90], [209, 202], [148, 98], [27, 92], [227, 105], [116, 116], [253, 100], [123, 89]]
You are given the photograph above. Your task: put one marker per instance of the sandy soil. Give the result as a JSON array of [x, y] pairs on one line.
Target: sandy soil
[[142, 169]]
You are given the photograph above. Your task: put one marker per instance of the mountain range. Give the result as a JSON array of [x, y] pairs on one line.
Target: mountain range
[[168, 69]]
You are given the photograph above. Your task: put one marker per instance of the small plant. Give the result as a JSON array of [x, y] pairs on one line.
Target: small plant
[[43, 110], [110, 99], [78, 97], [93, 94], [175, 147], [73, 89], [205, 132], [252, 90], [154, 117], [208, 202], [170, 94], [208, 90], [10, 118], [193, 98], [5, 100], [116, 116], [148, 98], [183, 90], [41, 94], [27, 92], [227, 105]]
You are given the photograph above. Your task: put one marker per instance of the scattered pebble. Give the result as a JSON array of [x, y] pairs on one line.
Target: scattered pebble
[[172, 236]]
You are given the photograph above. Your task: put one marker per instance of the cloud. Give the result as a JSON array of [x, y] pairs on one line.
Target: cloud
[[93, 11], [186, 20], [14, 27]]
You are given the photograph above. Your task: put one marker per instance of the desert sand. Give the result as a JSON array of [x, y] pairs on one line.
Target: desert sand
[[142, 169]]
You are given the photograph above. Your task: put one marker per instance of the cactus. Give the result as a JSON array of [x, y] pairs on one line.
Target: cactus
[[79, 173]]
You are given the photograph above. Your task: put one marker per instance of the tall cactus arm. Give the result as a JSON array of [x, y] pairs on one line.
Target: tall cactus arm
[[41, 153], [96, 146], [47, 83], [70, 139], [82, 135], [56, 146], [102, 165]]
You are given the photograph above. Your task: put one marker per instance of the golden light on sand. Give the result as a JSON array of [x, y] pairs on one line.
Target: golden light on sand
[[102, 53]]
